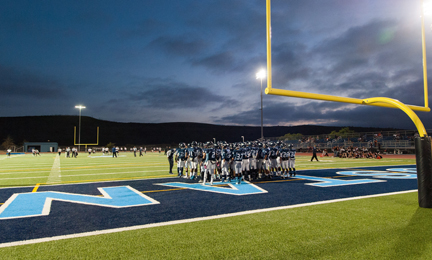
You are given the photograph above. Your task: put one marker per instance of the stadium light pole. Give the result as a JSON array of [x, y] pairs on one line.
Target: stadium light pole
[[261, 75], [79, 126]]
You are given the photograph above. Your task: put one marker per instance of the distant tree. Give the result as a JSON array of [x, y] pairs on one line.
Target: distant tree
[[8, 142], [23, 142], [291, 137], [110, 145], [343, 132]]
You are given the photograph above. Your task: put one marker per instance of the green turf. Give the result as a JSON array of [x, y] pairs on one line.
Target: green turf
[[388, 227], [28, 170]]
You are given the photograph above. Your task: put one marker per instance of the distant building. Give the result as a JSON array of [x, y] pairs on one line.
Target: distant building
[[42, 147]]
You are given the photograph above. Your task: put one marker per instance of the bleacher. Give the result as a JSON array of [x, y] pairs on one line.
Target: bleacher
[[385, 141]]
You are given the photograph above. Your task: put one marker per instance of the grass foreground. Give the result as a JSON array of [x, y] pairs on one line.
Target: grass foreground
[[388, 227]]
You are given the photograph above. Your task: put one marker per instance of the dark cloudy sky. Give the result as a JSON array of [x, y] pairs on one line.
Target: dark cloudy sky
[[195, 61]]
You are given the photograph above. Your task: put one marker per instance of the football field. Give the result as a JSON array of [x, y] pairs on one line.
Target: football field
[[99, 207]]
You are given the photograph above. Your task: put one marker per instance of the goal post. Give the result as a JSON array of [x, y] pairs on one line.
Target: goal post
[[97, 138], [423, 143]]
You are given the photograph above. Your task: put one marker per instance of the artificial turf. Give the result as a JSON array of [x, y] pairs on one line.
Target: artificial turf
[[387, 227]]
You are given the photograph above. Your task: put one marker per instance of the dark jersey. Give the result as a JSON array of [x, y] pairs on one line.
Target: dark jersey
[[292, 153], [261, 154], [247, 153], [254, 152], [192, 153], [218, 154], [238, 155], [210, 154], [226, 155], [181, 153], [285, 154], [199, 152], [273, 153]]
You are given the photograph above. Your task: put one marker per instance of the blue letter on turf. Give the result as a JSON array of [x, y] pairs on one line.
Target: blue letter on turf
[[32, 204]]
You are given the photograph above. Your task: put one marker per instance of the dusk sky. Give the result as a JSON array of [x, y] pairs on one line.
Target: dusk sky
[[154, 61]]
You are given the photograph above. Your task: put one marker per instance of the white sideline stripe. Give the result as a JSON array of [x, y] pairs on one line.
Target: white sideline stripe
[[183, 221]]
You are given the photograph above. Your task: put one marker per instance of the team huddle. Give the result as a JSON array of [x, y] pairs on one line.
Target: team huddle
[[235, 161]]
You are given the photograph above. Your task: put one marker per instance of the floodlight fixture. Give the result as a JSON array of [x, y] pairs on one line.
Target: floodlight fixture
[[261, 74]]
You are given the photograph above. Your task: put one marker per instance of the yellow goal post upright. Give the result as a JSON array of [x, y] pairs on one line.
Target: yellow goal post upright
[[97, 138], [423, 143]]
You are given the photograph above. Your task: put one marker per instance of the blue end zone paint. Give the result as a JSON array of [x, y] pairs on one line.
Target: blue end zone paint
[[70, 217], [39, 203], [325, 182], [245, 188]]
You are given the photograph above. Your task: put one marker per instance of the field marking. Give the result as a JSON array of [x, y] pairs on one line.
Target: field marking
[[84, 182], [78, 175], [36, 187], [12, 156], [65, 170], [184, 221], [76, 168], [55, 174], [112, 173]]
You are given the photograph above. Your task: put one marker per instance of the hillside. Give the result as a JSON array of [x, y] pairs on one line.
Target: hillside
[[60, 129]]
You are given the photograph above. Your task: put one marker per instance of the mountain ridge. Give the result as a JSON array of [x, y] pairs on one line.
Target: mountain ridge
[[60, 129]]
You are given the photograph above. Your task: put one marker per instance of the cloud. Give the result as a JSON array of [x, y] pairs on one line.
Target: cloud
[[167, 94], [325, 113], [144, 28], [16, 83], [220, 62], [179, 45]]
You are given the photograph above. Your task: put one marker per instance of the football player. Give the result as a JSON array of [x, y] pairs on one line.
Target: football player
[[238, 158], [193, 160], [247, 154], [226, 158], [181, 156], [253, 160], [291, 165], [273, 156], [210, 162], [284, 157]]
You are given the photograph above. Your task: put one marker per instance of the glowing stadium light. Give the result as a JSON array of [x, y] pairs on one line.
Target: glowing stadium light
[[261, 74]]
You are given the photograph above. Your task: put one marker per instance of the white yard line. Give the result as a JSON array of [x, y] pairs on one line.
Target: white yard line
[[110, 173], [79, 175], [183, 221], [75, 169], [109, 168], [55, 174]]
